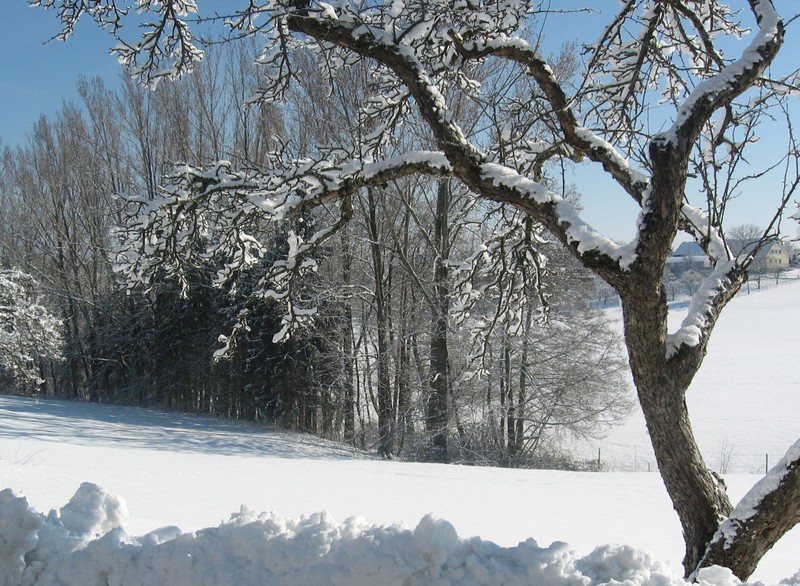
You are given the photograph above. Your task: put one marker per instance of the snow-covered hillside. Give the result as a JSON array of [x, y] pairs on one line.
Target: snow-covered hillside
[[160, 472], [745, 400]]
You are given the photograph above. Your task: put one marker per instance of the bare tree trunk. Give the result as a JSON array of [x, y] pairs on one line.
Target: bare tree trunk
[[406, 310], [384, 399], [698, 497], [439, 377], [507, 400], [402, 386], [436, 416], [348, 356], [519, 421]]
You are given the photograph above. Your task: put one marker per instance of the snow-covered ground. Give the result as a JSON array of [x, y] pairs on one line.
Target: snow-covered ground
[[745, 401], [185, 472]]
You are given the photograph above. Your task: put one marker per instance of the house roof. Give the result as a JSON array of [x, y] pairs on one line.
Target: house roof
[[749, 246], [691, 249]]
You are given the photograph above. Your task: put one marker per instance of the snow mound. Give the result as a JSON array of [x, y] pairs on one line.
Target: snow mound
[[85, 544]]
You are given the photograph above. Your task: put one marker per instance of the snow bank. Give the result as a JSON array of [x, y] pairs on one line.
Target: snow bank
[[85, 544]]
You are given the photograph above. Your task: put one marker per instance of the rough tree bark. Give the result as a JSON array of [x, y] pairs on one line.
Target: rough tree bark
[[436, 416]]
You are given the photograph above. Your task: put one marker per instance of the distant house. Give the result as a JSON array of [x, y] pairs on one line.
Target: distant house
[[775, 256], [689, 249], [688, 255]]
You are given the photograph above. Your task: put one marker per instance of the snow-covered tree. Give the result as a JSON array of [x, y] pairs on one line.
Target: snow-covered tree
[[28, 331], [670, 90]]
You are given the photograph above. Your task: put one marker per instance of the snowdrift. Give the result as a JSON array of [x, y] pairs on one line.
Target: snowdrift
[[85, 544]]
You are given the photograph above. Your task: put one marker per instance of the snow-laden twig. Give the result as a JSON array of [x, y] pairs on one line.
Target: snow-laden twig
[[216, 217]]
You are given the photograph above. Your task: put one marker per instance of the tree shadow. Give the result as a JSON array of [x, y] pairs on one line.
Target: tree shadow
[[137, 428]]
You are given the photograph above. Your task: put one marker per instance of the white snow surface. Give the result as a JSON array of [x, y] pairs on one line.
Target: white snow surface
[[181, 496]]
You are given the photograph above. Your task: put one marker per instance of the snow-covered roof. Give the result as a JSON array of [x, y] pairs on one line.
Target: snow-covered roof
[[674, 260], [775, 245], [691, 249]]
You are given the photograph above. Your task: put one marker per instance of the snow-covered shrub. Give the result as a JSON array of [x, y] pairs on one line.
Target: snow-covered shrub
[[28, 331]]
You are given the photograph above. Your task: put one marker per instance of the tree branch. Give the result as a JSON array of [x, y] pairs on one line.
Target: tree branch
[[577, 137], [767, 512], [726, 85], [494, 182]]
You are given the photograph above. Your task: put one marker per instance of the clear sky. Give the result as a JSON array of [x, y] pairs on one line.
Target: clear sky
[[37, 76]]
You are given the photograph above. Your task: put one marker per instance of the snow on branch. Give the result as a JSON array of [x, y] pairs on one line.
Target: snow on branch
[[28, 331], [105, 12], [661, 47], [493, 181], [768, 510], [750, 504], [731, 80], [698, 223], [217, 217], [717, 288], [507, 269], [585, 142], [730, 271], [584, 239], [166, 48], [796, 217], [705, 306], [420, 50]]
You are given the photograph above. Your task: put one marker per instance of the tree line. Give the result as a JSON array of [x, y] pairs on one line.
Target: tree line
[[385, 364]]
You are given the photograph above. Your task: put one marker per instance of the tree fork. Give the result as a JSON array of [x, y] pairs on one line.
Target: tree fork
[[699, 499]]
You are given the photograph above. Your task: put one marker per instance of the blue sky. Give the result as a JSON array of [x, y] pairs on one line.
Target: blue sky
[[37, 76]]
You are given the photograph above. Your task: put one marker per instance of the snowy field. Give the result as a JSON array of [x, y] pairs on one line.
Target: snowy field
[[339, 517], [745, 401]]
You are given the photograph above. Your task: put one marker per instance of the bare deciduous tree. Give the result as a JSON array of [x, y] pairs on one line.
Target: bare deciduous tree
[[654, 61]]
